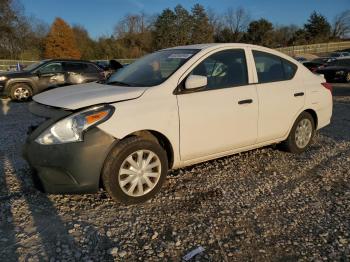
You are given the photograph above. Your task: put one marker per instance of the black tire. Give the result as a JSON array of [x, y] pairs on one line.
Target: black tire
[[347, 77], [115, 159], [290, 144], [25, 94]]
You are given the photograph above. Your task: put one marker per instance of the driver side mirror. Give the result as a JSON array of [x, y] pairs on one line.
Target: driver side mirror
[[195, 81]]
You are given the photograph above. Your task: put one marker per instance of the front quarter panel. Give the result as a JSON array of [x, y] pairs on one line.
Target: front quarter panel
[[155, 110]]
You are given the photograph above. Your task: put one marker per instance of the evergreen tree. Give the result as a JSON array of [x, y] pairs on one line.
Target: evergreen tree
[[260, 32], [202, 32], [164, 30], [183, 26], [60, 42], [317, 28]]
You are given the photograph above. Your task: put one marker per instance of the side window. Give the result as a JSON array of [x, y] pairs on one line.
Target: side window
[[224, 69], [51, 68], [75, 67], [289, 69], [92, 68], [272, 68]]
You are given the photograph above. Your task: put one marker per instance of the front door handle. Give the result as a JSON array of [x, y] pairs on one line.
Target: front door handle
[[246, 101], [299, 94]]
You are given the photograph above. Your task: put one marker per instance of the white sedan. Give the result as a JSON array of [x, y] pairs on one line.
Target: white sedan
[[171, 109]]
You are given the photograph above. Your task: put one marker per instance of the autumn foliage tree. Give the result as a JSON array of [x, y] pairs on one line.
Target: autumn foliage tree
[[60, 42]]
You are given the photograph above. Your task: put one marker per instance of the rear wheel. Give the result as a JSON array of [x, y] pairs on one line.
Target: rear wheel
[[301, 134], [21, 92], [135, 170]]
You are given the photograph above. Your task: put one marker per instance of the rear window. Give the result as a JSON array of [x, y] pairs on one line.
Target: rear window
[[272, 68]]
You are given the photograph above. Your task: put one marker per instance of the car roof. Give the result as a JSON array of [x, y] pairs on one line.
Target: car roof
[[214, 45], [67, 60], [343, 58]]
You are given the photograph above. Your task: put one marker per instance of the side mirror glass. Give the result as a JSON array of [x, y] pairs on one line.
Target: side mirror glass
[[195, 81]]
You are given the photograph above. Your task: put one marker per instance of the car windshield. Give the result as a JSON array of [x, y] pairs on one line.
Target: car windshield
[[341, 62], [34, 66], [335, 54], [152, 69]]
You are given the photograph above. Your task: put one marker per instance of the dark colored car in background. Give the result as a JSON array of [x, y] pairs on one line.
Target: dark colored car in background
[[46, 74], [109, 67], [313, 66], [338, 70]]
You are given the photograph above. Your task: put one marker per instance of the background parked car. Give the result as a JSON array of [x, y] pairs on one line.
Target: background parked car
[[340, 54], [301, 59], [338, 70], [46, 74], [313, 66], [109, 67]]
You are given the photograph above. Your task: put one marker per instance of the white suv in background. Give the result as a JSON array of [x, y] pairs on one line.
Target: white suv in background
[[170, 109]]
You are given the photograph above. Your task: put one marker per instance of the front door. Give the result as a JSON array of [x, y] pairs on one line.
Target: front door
[[51, 75], [223, 115]]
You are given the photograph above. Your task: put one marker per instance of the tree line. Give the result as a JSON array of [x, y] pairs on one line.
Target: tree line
[[136, 34]]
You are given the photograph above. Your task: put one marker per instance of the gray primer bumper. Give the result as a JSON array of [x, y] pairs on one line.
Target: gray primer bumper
[[71, 167]]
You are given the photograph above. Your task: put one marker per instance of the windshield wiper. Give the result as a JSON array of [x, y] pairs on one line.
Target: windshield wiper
[[117, 83]]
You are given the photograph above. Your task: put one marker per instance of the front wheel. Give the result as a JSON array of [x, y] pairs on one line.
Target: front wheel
[[135, 170], [301, 134]]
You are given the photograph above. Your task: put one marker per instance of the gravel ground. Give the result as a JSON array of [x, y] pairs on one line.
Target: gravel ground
[[261, 205]]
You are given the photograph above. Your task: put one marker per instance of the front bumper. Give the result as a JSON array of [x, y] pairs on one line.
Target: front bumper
[[71, 167]]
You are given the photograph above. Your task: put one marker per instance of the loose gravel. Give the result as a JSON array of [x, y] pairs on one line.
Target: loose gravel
[[260, 205]]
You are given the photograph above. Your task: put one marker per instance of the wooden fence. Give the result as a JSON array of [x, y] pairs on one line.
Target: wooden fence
[[291, 50], [314, 48]]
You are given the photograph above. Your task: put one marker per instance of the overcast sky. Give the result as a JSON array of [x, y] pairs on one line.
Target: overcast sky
[[100, 16]]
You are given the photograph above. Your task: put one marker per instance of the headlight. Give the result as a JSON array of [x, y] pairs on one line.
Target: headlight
[[71, 128], [3, 78]]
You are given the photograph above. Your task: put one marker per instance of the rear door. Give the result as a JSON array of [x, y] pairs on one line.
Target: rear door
[[80, 72], [223, 115], [281, 95]]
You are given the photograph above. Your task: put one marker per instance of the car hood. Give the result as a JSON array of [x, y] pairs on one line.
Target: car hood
[[334, 68], [83, 95], [14, 74]]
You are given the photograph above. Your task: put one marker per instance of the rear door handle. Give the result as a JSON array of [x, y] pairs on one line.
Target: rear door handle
[[299, 94], [246, 101]]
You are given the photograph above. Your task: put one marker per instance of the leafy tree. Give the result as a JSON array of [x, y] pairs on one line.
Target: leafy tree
[[260, 32], [317, 28], [202, 31], [86, 45], [60, 42]]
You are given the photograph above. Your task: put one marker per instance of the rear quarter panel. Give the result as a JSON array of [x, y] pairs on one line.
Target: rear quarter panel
[[318, 98]]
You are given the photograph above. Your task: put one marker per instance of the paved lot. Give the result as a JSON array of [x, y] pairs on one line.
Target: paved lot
[[260, 205]]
